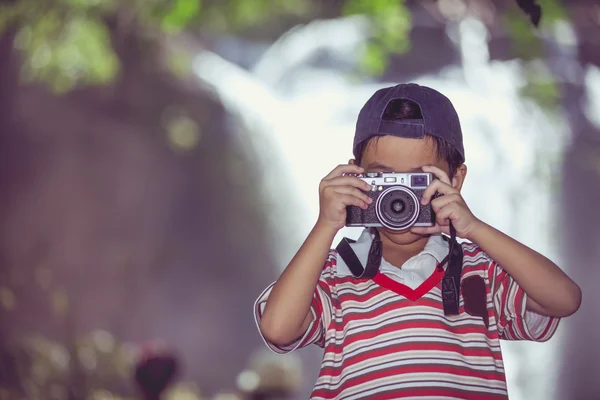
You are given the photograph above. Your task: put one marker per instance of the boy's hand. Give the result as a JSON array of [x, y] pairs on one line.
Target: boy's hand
[[449, 207], [337, 191]]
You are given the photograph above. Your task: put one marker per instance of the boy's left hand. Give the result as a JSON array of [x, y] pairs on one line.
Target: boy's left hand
[[449, 207]]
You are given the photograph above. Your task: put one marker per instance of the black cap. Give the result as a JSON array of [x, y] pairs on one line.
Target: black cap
[[439, 117]]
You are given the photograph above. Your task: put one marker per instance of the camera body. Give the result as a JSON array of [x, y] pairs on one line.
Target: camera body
[[396, 201]]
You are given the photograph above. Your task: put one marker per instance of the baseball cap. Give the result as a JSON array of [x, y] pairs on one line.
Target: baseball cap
[[439, 117]]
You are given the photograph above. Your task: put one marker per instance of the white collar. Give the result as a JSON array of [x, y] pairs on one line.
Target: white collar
[[436, 247]]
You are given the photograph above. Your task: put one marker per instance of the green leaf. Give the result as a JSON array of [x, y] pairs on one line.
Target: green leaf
[[373, 7], [552, 10], [374, 60], [544, 93], [178, 17], [88, 48], [395, 26], [392, 23], [526, 43], [250, 12]]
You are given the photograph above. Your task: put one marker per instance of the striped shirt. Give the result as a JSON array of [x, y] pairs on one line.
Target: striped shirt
[[388, 337]]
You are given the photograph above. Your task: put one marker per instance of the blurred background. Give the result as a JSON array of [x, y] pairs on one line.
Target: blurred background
[[159, 165]]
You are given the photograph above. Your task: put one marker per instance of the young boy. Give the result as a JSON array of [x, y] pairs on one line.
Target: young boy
[[388, 337]]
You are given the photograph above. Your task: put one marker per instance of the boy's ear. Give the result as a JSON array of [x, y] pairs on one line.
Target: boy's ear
[[459, 177]]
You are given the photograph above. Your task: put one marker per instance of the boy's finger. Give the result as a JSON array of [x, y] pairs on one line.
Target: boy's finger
[[439, 173], [443, 201], [344, 169], [443, 216], [436, 186], [350, 200], [349, 181], [353, 192]]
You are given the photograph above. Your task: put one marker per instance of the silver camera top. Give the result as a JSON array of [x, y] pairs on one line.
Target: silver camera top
[[414, 180]]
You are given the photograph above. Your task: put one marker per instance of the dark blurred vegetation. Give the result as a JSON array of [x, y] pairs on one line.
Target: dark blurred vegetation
[[66, 43], [108, 146]]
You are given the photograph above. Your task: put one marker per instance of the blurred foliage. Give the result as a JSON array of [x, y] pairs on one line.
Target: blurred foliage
[[64, 42], [47, 370], [544, 91], [540, 86], [70, 42], [527, 41], [392, 22], [101, 368], [46, 367]]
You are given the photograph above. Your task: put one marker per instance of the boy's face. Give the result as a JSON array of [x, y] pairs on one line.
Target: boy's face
[[395, 154]]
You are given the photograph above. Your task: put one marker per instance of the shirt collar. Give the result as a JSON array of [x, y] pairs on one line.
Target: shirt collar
[[436, 247]]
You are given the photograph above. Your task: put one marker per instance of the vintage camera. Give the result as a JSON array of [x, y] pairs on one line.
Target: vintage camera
[[396, 201]]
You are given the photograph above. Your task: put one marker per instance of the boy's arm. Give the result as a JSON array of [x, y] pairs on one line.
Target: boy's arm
[[549, 290], [287, 312], [287, 315]]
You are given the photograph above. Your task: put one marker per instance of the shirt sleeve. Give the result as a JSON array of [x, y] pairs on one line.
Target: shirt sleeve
[[514, 321], [320, 309]]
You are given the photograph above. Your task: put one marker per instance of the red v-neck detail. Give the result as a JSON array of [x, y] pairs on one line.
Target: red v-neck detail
[[403, 290]]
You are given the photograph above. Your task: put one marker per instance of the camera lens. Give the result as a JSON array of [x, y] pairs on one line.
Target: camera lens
[[397, 208]]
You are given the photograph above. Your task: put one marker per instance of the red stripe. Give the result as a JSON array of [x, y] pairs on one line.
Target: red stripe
[[317, 303], [448, 349], [549, 326], [363, 297], [437, 392], [350, 279], [471, 253], [403, 290], [392, 299], [394, 371], [338, 346], [424, 369], [316, 325]]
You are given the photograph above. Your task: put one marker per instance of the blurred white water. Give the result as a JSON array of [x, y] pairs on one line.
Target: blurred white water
[[298, 117]]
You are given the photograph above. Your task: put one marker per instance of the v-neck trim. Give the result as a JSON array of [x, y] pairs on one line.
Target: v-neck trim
[[403, 290]]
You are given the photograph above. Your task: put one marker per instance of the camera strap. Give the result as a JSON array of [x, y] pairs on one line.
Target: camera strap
[[354, 264], [450, 281]]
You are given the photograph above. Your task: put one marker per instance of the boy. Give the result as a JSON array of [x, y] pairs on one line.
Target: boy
[[388, 337]]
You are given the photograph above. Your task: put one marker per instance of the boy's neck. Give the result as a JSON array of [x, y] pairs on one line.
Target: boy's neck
[[398, 254]]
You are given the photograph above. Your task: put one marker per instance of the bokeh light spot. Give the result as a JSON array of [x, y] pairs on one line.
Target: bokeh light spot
[[60, 302], [104, 341], [182, 133], [248, 381], [8, 299]]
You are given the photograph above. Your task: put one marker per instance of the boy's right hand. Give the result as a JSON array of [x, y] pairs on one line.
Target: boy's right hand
[[337, 191]]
